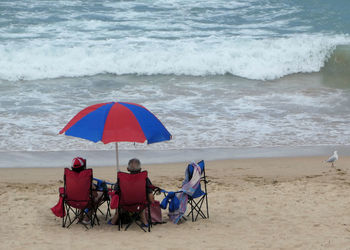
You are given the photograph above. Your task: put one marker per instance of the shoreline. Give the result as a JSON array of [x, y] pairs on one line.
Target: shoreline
[[107, 158], [281, 168]]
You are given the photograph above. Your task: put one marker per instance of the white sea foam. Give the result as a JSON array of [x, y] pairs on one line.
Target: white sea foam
[[262, 59], [199, 112]]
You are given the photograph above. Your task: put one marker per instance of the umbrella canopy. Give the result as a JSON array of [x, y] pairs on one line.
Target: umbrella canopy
[[117, 122]]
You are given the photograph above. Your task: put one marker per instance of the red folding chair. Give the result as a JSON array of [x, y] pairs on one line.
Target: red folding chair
[[133, 197], [77, 197]]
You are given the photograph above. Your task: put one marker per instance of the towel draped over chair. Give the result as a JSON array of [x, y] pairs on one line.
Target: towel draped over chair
[[178, 200]]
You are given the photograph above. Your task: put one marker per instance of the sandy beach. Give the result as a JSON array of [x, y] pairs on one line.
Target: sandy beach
[[259, 90], [263, 203]]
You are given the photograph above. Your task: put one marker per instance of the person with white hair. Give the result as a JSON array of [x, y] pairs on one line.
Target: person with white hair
[[134, 167]]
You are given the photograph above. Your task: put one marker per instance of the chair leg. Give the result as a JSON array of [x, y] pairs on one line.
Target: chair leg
[[64, 218], [68, 209], [192, 209], [196, 207], [149, 218], [64, 215], [206, 203], [94, 217], [127, 226], [67, 215], [108, 210], [77, 213], [98, 209], [119, 219]]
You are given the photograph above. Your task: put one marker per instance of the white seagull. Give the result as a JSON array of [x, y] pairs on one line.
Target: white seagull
[[333, 158]]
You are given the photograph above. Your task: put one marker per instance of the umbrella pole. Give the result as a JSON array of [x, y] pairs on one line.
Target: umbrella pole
[[117, 156]]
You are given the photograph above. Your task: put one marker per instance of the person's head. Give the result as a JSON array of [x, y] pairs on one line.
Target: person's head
[[78, 164], [134, 166]]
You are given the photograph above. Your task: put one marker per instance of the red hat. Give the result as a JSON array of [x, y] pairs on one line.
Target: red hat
[[78, 162]]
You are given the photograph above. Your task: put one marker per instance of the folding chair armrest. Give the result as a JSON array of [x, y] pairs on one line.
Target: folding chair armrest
[[112, 192], [157, 190], [61, 192], [166, 192]]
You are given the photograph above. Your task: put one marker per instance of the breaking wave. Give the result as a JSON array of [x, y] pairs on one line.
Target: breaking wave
[[260, 59]]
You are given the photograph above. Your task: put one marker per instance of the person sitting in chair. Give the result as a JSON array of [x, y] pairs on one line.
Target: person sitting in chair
[[78, 165], [134, 167]]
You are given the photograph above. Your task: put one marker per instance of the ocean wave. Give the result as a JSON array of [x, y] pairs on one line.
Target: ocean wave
[[259, 59]]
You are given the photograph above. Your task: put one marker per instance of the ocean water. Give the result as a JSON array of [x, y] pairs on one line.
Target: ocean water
[[218, 74]]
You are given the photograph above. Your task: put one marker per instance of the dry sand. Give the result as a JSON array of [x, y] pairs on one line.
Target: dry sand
[[270, 203]]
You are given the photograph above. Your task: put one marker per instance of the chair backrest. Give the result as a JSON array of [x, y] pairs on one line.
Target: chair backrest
[[132, 190], [199, 192], [78, 187], [190, 168]]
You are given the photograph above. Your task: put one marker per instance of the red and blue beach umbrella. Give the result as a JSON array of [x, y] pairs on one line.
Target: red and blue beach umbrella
[[117, 122]]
